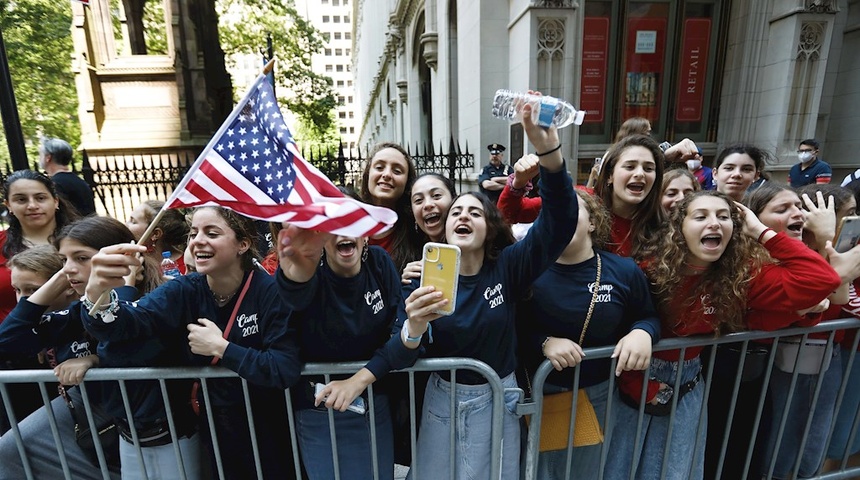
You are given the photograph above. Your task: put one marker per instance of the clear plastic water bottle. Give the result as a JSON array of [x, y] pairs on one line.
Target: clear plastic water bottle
[[168, 266], [546, 111]]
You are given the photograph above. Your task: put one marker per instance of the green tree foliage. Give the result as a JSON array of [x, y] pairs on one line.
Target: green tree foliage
[[39, 47], [243, 26]]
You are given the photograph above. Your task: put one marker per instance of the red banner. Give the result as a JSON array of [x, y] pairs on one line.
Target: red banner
[[693, 69], [595, 51], [646, 43]]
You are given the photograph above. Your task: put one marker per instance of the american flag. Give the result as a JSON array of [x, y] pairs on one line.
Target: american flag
[[253, 166]]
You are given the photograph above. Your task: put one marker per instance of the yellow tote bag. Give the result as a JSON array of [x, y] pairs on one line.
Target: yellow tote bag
[[555, 422]]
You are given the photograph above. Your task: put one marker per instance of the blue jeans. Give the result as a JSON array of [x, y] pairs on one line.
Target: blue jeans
[[585, 464], [798, 414], [847, 411], [161, 461], [686, 458], [352, 433], [472, 449]]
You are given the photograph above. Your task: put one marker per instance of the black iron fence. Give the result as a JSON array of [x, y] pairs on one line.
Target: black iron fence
[[120, 182]]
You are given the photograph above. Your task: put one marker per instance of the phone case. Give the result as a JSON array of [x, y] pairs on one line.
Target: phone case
[[357, 405], [848, 235], [440, 267]]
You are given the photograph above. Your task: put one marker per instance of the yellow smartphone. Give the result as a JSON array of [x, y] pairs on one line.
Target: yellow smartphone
[[440, 267], [848, 234]]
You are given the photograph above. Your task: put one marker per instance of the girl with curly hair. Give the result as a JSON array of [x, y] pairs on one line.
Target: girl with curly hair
[[717, 268], [630, 185]]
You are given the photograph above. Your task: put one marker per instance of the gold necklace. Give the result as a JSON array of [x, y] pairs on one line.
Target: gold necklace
[[222, 300]]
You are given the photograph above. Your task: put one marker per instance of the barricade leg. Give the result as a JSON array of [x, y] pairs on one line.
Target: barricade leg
[[41, 448]]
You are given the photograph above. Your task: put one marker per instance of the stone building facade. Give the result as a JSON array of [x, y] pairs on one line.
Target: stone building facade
[[715, 71]]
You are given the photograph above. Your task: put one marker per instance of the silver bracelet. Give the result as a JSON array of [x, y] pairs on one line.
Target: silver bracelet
[[107, 314]]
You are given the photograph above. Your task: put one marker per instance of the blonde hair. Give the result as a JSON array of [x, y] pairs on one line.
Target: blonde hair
[[43, 260]]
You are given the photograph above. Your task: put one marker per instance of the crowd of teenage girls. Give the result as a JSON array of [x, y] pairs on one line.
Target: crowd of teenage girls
[[646, 254]]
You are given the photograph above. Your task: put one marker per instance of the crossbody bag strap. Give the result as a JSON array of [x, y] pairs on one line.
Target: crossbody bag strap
[[593, 300], [232, 318]]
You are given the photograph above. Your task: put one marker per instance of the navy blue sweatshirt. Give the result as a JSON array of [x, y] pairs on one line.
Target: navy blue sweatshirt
[[559, 305], [28, 330], [483, 325], [261, 348], [340, 319]]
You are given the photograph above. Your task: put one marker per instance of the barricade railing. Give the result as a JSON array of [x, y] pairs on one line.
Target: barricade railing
[[533, 406], [45, 378]]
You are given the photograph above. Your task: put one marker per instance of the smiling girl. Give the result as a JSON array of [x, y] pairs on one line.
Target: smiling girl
[[386, 182], [494, 273], [432, 194], [710, 275], [226, 294], [630, 184], [36, 214], [737, 167], [345, 306], [29, 329], [677, 184]]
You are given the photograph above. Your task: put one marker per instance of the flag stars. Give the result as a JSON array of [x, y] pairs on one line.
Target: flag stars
[[257, 180], [220, 147], [269, 178], [267, 152], [242, 131], [254, 141], [255, 154], [281, 189], [270, 190], [255, 130], [231, 158], [229, 132], [255, 167], [279, 174], [244, 169], [268, 164], [242, 142], [230, 145], [243, 156]]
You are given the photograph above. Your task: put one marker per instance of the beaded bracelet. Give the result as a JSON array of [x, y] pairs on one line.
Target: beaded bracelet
[[548, 151]]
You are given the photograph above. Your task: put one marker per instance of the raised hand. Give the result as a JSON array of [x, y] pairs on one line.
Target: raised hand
[[110, 266]]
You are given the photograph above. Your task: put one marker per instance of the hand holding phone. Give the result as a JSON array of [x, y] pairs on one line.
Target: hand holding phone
[[848, 234], [440, 267], [356, 406]]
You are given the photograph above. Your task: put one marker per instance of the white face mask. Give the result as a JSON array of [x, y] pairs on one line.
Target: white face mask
[[694, 165], [804, 156]]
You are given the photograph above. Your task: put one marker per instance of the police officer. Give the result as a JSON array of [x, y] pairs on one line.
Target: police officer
[[495, 174]]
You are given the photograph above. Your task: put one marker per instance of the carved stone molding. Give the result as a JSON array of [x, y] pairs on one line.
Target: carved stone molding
[[430, 42], [556, 3], [822, 6], [811, 38], [551, 38], [403, 90]]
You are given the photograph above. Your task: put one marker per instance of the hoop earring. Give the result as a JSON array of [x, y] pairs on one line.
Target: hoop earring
[[364, 252]]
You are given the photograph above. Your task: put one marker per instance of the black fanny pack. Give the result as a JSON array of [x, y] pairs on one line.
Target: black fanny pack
[[157, 434]]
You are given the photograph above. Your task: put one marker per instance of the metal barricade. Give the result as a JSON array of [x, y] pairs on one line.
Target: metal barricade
[[205, 374], [533, 405]]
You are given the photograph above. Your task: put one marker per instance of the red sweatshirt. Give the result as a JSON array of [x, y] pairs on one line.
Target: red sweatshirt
[[800, 279]]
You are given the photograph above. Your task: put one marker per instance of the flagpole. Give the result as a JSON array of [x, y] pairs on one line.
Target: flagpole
[[187, 178]]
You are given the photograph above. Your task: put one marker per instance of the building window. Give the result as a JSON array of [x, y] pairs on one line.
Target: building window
[[340, 68], [352, 130], [346, 19], [340, 100], [349, 83], [351, 114], [347, 52], [343, 130], [347, 35], [337, 35], [326, 36], [341, 115], [338, 51], [325, 2], [328, 68], [345, 2], [337, 19], [349, 99], [325, 19], [335, 3], [340, 83], [327, 52], [347, 68]]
